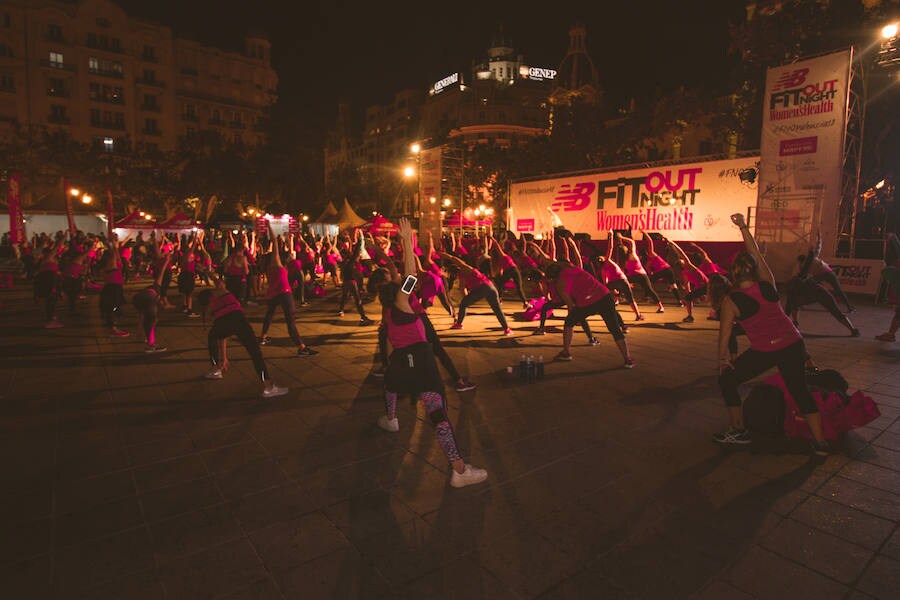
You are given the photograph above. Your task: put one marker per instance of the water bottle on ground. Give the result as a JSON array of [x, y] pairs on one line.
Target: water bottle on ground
[[540, 367]]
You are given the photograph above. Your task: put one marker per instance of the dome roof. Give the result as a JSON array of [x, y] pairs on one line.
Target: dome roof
[[576, 72], [501, 39]]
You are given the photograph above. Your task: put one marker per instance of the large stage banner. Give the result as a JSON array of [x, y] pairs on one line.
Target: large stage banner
[[685, 202], [803, 124], [16, 216]]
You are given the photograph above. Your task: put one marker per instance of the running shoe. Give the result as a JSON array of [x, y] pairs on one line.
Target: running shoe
[[661, 309], [118, 333], [733, 436], [629, 363], [640, 318], [379, 372], [214, 374], [564, 356], [688, 319], [392, 425], [54, 324], [306, 351], [507, 331], [855, 332], [340, 313], [886, 337], [271, 392], [264, 340], [594, 341], [304, 303], [539, 331], [191, 314], [252, 303], [624, 328], [154, 348], [366, 321], [464, 385], [822, 448], [470, 476], [456, 325]]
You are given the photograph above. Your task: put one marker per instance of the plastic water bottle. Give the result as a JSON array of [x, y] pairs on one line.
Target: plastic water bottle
[[540, 367], [523, 369], [530, 367]]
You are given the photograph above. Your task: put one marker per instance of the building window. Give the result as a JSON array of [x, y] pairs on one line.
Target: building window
[[106, 93], [150, 102], [7, 22], [54, 32], [95, 117], [149, 75], [7, 83], [101, 66], [108, 144], [151, 126], [58, 114], [57, 88], [149, 53], [57, 61], [115, 44], [6, 51]]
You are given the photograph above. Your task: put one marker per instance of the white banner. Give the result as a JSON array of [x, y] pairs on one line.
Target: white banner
[[691, 201], [804, 117]]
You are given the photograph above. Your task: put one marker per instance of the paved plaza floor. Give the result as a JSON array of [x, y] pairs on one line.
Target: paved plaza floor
[[130, 476]]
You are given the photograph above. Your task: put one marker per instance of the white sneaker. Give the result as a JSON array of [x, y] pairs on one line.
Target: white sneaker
[[392, 425], [214, 374], [274, 391], [470, 476]]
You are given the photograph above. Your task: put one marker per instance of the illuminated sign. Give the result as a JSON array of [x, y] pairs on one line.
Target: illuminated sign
[[537, 73], [439, 86]]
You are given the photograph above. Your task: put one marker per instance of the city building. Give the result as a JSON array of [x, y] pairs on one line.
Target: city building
[[103, 77], [577, 80]]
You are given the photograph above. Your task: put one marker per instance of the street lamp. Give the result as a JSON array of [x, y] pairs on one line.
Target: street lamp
[[409, 172], [86, 199], [74, 192], [415, 148], [889, 31]]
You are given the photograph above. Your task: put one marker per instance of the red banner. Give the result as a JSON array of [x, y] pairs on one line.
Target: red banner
[[70, 215], [16, 218], [110, 215]]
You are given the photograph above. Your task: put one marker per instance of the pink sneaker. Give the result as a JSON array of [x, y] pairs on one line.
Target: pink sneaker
[[456, 326], [508, 331], [116, 332]]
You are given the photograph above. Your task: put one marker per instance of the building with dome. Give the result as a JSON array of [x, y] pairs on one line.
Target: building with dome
[[577, 80]]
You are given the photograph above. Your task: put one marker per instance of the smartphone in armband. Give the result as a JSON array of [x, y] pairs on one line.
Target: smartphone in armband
[[409, 284]]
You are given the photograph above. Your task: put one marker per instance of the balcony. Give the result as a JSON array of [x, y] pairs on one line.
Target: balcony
[[150, 82], [58, 93], [219, 122], [155, 132], [151, 108], [108, 125], [107, 73], [191, 118], [236, 125], [57, 65], [118, 101], [104, 47], [59, 119]]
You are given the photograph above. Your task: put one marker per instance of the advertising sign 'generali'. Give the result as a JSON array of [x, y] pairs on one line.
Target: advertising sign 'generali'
[[691, 201]]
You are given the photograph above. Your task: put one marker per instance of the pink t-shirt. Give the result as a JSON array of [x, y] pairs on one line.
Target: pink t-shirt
[[278, 282]]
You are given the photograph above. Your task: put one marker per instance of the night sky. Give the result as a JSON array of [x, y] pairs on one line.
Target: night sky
[[362, 52]]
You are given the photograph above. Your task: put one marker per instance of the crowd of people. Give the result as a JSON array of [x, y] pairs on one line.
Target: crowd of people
[[239, 270]]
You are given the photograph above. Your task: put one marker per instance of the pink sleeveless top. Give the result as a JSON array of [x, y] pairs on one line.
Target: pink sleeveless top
[[633, 266], [402, 330], [113, 276], [610, 271], [582, 287], [696, 278], [222, 305], [655, 264], [278, 282], [769, 329], [474, 279]]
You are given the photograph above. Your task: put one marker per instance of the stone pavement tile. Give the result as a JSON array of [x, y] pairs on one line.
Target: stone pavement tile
[[139, 586], [423, 488], [844, 522], [526, 563], [888, 418], [98, 521], [857, 595], [465, 521], [875, 476], [888, 440], [24, 506], [194, 531], [250, 477], [588, 584], [883, 457], [892, 547], [88, 565], [181, 498], [230, 457], [339, 484], [25, 539], [213, 572], [88, 463], [274, 505], [882, 579], [818, 550], [29, 578], [171, 472], [339, 574], [290, 543], [462, 579], [862, 497], [146, 453], [264, 589], [367, 514], [719, 590], [579, 532], [220, 436], [763, 574]]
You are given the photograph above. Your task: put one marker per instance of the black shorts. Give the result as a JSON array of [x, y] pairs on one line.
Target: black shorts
[[186, 282], [413, 370]]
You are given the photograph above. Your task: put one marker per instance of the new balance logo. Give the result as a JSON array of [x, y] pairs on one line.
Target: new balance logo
[[573, 197]]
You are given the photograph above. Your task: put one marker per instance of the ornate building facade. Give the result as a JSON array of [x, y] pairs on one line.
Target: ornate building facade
[[103, 77]]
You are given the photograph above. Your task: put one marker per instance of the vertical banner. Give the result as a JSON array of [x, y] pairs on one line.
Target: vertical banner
[[430, 201], [801, 157], [110, 214], [70, 215], [16, 218]]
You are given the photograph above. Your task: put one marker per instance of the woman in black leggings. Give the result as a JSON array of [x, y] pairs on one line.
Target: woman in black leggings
[[774, 342], [803, 290], [229, 320], [478, 287]]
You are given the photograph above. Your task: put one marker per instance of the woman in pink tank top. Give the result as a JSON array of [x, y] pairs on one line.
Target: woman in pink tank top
[[693, 280], [774, 343], [634, 269], [613, 277], [112, 296]]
